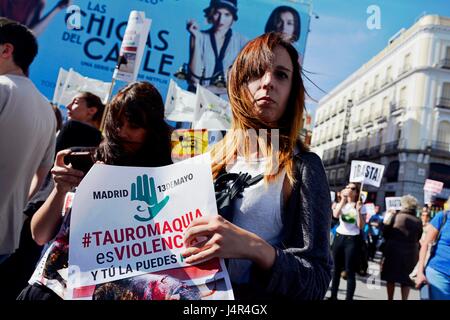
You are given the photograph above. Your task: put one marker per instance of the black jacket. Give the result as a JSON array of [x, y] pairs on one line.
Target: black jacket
[[302, 268]]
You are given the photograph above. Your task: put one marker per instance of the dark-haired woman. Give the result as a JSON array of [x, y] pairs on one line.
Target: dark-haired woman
[[285, 20], [347, 241], [135, 135]]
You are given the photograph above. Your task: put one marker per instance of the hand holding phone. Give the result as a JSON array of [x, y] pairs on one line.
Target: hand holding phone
[[81, 160]]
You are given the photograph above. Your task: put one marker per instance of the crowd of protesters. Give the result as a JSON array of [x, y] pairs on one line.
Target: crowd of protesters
[[407, 245], [276, 240], [291, 261]]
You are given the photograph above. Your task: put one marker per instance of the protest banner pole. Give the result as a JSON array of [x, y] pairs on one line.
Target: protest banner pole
[[102, 124], [360, 191]]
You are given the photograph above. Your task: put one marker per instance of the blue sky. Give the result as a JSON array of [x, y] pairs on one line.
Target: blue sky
[[340, 42]]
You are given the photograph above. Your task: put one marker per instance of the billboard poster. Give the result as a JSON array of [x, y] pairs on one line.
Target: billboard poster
[[86, 35]]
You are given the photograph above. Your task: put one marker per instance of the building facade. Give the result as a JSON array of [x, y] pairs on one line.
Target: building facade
[[394, 110]]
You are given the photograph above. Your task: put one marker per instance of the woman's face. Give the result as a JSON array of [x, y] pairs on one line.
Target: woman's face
[[350, 191], [132, 137], [79, 111], [222, 19], [270, 93], [286, 25], [425, 216]]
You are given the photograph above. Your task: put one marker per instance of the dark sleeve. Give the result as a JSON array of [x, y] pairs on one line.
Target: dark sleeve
[[77, 134], [304, 273]]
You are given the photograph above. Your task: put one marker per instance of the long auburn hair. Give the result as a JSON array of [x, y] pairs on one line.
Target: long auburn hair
[[142, 106], [252, 62]]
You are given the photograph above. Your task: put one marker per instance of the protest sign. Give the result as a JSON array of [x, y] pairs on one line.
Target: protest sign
[[180, 104], [366, 173], [369, 210], [133, 46], [73, 83], [433, 186], [188, 143], [393, 203], [127, 229], [60, 83], [211, 112]]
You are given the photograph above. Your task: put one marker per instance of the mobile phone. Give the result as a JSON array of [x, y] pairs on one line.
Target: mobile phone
[[81, 160]]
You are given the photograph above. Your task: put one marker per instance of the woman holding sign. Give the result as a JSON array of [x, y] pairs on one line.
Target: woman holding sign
[[277, 236], [135, 135], [347, 241]]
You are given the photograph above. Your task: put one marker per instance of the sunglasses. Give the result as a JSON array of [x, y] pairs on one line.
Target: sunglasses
[[351, 188]]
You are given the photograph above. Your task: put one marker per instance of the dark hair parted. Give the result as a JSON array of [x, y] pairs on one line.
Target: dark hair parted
[[23, 41], [142, 106], [275, 19], [94, 101]]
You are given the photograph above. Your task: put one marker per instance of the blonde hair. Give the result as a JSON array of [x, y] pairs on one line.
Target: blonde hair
[[252, 62], [409, 202]]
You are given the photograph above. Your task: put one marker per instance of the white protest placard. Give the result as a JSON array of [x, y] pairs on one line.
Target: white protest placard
[[59, 87], [133, 46], [180, 104], [333, 196], [75, 83], [366, 172], [369, 210], [211, 112], [393, 203], [433, 186], [127, 229]]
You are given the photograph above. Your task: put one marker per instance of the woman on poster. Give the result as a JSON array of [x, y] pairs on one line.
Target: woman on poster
[[29, 12], [213, 51], [285, 20]]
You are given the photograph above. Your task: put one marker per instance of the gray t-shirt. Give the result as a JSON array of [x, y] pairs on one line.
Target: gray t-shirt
[[258, 211], [27, 142]]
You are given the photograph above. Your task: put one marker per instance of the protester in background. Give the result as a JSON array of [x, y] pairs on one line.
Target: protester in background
[[374, 232], [82, 130], [348, 238], [425, 216], [29, 12], [277, 240], [213, 51], [135, 135], [58, 116], [27, 132], [402, 233], [334, 221], [436, 273], [286, 20]]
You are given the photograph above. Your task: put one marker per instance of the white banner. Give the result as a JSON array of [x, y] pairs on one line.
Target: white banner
[[128, 223], [366, 172], [393, 203], [369, 210], [60, 83], [211, 112], [75, 83], [133, 46], [433, 186], [180, 104]]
